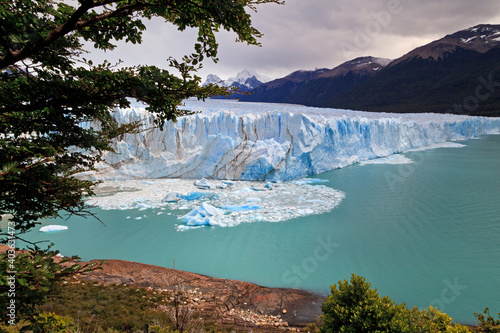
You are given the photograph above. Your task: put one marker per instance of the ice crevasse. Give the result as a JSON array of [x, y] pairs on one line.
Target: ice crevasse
[[268, 142]]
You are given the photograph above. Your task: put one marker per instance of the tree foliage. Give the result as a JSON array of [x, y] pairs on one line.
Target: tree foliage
[[48, 89], [56, 107], [354, 307]]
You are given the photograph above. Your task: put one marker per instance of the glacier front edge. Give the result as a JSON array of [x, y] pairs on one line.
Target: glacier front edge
[[273, 142]]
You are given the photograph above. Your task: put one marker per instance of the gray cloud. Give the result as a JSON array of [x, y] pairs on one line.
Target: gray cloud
[[305, 34]]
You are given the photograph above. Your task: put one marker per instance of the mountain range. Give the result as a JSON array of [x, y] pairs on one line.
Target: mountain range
[[244, 81], [459, 73], [315, 88]]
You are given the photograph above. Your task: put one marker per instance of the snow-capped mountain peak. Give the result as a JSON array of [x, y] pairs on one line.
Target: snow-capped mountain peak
[[484, 34], [246, 80], [213, 79], [243, 76], [480, 38]]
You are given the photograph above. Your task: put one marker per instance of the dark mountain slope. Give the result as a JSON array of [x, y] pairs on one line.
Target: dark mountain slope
[[280, 90], [335, 82], [459, 73]]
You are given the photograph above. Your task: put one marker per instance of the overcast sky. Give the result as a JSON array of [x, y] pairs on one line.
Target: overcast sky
[[309, 34]]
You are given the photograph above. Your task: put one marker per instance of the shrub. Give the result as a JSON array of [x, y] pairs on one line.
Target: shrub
[[50, 322], [354, 307], [487, 323]]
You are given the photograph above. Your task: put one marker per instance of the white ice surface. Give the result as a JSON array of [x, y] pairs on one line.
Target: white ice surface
[[273, 142], [439, 145], [242, 202], [393, 159]]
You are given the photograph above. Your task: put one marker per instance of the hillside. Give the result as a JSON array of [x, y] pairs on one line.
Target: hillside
[[459, 73], [456, 74], [335, 82], [280, 90]]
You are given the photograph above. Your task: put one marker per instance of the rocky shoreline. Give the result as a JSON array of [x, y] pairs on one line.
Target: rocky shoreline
[[229, 302]]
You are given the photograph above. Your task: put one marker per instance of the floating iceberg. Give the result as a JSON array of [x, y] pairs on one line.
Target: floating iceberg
[[205, 214], [53, 228], [272, 142], [202, 184], [172, 197]]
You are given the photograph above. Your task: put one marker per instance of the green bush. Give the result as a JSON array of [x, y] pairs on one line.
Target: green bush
[[50, 322], [487, 324], [354, 307], [429, 320]]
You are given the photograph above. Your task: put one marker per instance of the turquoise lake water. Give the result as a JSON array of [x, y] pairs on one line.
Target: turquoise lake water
[[426, 233]]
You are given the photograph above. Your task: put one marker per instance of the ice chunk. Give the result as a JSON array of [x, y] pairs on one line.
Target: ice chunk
[[171, 197], [253, 199], [228, 183], [234, 208], [439, 145], [269, 186], [393, 159], [143, 206], [183, 227], [53, 228], [195, 195], [202, 184], [202, 215], [198, 196], [253, 188], [211, 210], [309, 181]]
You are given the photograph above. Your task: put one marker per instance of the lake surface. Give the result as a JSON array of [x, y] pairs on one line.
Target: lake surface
[[426, 233]]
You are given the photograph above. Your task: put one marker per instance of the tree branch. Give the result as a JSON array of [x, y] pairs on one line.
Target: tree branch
[[47, 159], [123, 11], [55, 34], [73, 23]]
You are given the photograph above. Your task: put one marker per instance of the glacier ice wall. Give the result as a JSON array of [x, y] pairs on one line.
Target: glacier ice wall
[[259, 141]]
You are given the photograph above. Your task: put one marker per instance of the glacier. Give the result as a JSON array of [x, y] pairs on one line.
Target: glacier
[[234, 140]]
